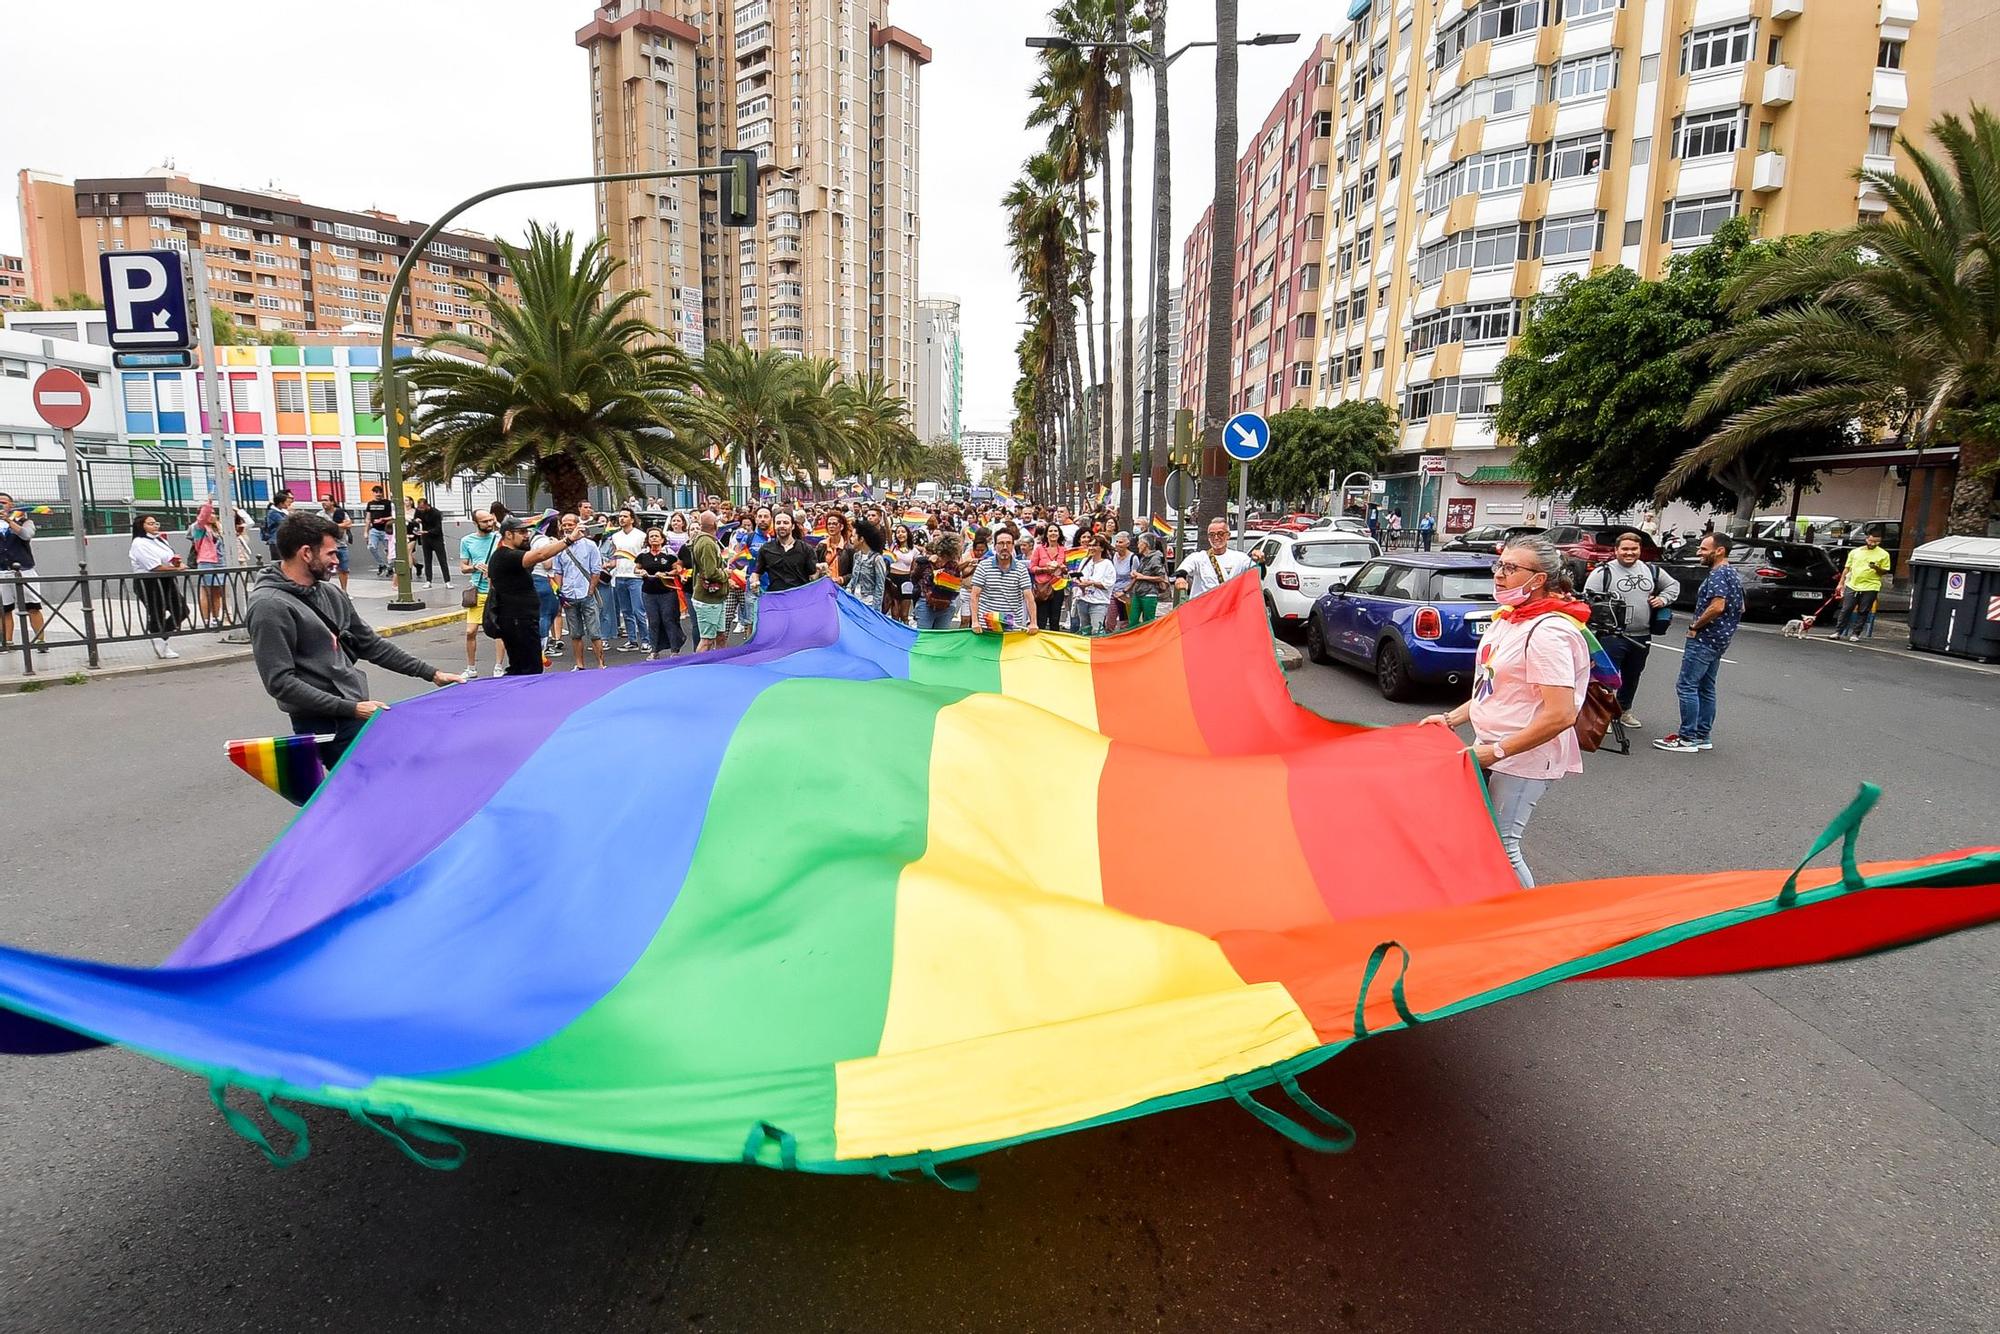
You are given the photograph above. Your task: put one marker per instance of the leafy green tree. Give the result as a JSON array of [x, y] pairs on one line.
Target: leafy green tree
[[942, 463], [570, 386], [1597, 390], [1309, 443], [1889, 324], [228, 333]]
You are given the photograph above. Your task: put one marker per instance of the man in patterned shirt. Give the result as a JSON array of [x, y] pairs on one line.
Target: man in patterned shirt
[[1718, 611]]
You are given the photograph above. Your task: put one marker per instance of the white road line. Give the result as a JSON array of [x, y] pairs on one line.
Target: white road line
[[1671, 649]]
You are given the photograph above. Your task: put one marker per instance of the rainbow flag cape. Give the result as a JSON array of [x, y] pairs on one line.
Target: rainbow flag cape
[[288, 765], [900, 983], [947, 580]]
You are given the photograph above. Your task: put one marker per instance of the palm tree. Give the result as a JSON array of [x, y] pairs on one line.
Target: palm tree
[[1122, 31], [1156, 443], [878, 426], [568, 385], [1894, 321], [1221, 271], [1045, 256], [748, 406]]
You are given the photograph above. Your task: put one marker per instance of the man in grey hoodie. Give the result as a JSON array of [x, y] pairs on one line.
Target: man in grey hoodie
[[306, 639]]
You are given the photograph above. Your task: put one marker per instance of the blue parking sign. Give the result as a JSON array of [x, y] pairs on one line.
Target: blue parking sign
[[145, 299]]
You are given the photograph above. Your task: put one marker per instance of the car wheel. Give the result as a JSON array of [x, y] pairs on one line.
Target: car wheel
[[1392, 670], [1271, 613], [1316, 639]]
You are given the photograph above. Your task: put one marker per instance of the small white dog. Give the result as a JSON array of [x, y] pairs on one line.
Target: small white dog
[[1798, 627]]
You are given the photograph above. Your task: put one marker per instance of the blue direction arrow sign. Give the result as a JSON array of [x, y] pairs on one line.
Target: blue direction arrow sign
[[1246, 436], [145, 299]]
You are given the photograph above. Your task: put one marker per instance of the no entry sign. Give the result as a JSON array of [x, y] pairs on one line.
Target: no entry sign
[[62, 398]]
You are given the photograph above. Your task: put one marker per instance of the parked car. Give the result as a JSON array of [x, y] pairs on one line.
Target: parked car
[[1298, 567], [1780, 579], [1345, 523], [1781, 527], [1404, 618], [1487, 539]]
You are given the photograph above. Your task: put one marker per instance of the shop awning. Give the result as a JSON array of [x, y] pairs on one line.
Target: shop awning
[[1493, 474]]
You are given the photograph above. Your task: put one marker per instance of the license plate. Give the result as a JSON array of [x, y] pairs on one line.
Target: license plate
[[1809, 597], [1479, 629]]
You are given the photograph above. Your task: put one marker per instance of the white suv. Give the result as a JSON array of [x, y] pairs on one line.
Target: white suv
[[1298, 567]]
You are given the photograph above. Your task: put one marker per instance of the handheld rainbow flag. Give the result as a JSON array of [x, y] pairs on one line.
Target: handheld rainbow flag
[[1160, 526], [1102, 492], [947, 580], [1059, 583], [1075, 557], [993, 621], [916, 519], [288, 765], [423, 945], [767, 486], [818, 533]]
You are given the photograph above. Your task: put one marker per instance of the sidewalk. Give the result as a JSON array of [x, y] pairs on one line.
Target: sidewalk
[[64, 664]]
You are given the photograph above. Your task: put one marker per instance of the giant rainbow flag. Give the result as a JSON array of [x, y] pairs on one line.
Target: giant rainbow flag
[[1091, 879]]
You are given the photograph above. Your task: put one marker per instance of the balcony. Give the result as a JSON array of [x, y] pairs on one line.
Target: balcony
[[1889, 91], [1781, 85], [1787, 9], [1767, 172]]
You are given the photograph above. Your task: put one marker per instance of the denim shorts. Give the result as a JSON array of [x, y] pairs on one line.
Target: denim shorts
[[582, 619]]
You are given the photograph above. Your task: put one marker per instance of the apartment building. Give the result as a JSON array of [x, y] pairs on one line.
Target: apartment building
[[940, 385], [825, 91], [1481, 149], [1274, 303], [14, 290], [985, 455], [1144, 345], [274, 261], [1968, 57]]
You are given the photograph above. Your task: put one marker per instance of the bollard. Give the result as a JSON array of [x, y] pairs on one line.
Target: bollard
[[21, 623]]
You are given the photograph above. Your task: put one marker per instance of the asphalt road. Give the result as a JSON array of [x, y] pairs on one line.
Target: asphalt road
[[1810, 1150]]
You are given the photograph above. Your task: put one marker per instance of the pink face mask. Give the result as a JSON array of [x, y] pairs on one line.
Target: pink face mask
[[1510, 597]]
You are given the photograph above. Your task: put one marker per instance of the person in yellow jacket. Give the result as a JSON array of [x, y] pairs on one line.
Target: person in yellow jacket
[[1860, 585]]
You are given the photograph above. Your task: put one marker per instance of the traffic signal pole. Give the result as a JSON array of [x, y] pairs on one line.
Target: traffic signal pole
[[740, 211]]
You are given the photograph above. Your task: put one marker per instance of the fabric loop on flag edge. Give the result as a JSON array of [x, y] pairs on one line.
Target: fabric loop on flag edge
[[1340, 1141], [403, 1124], [952, 1176], [251, 1132], [765, 1133], [1375, 958], [1844, 826]]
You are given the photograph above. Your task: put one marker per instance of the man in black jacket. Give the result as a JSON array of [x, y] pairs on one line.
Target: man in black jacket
[[306, 639]]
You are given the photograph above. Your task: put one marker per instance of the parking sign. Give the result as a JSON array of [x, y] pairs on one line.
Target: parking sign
[[145, 299]]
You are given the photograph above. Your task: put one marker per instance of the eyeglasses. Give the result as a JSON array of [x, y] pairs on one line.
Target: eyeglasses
[[1508, 567]]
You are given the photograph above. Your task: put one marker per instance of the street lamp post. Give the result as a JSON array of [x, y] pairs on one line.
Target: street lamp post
[[395, 405]]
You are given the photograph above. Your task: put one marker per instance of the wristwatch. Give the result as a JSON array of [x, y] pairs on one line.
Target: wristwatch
[[1499, 751]]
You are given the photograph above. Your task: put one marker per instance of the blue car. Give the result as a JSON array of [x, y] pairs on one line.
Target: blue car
[[1412, 619]]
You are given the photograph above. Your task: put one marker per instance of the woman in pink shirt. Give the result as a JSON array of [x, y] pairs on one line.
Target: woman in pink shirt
[[1533, 669]]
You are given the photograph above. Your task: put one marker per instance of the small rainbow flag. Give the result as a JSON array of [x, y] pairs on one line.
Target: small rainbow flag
[[947, 581], [818, 533], [916, 518], [1102, 492], [993, 621], [1059, 583], [766, 487], [1160, 525], [1075, 557], [288, 765]]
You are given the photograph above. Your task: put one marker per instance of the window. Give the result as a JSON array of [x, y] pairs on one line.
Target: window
[[1476, 323], [1578, 155], [1717, 48], [1466, 395], [1322, 124], [1483, 173], [1489, 20], [1642, 152], [1373, 126], [1690, 222], [320, 395], [1500, 95], [1260, 312], [1368, 182], [1709, 133], [1577, 236], [1774, 51], [1483, 250], [1634, 231], [287, 394], [1889, 53], [1585, 76], [1572, 10], [1880, 139], [1649, 69]]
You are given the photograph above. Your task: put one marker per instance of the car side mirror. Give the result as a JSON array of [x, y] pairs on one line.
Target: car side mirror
[[1337, 586]]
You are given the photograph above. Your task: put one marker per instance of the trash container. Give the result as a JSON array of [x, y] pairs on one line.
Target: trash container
[[1955, 597]]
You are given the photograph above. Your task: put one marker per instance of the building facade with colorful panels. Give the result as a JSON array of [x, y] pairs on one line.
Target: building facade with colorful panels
[[302, 419]]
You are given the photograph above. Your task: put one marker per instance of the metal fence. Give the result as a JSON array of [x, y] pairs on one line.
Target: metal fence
[[89, 612]]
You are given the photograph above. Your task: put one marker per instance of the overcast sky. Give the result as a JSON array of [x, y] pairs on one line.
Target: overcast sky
[[321, 103]]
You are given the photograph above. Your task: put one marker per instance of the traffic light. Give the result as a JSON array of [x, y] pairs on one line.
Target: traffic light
[[739, 188]]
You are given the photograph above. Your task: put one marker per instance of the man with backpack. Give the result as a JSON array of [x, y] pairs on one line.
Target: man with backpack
[[1640, 596], [280, 506]]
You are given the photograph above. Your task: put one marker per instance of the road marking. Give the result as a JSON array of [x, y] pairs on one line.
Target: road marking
[[1671, 649]]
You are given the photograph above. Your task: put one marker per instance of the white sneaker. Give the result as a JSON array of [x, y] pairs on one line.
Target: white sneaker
[[425, 584], [162, 649], [472, 673]]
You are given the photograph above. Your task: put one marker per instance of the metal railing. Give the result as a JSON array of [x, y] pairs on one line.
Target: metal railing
[[88, 612]]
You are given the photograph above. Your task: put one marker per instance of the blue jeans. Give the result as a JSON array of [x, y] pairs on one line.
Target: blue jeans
[[551, 605], [1629, 657], [936, 618], [1696, 688], [1513, 802], [1093, 617], [630, 601]]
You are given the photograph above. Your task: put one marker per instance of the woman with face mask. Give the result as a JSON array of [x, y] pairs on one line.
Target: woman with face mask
[[1531, 674]]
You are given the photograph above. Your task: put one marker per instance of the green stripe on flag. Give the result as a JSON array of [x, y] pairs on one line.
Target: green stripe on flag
[[773, 964]]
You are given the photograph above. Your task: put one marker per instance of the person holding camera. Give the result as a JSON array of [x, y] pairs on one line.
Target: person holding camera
[[1641, 597]]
